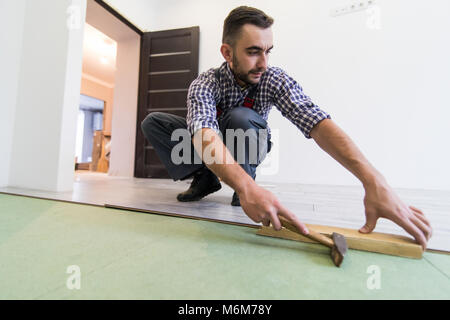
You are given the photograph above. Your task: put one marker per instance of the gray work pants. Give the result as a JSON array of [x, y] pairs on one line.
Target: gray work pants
[[158, 127]]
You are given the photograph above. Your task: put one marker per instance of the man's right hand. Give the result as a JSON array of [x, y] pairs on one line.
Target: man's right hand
[[261, 205]]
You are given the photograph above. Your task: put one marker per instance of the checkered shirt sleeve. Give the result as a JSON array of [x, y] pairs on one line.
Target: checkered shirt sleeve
[[288, 97], [201, 102]]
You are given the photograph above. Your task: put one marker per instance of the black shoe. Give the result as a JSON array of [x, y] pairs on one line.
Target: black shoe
[[235, 201], [204, 183]]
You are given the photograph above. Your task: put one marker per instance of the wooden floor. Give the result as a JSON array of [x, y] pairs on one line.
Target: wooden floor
[[339, 206]]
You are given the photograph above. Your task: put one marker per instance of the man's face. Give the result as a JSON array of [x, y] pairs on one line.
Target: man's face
[[250, 55]]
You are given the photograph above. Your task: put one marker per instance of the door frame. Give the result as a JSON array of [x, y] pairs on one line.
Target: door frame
[[116, 14]]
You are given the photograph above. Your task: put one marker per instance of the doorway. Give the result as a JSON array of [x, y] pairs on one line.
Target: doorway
[[96, 100], [89, 129], [153, 71], [111, 73]]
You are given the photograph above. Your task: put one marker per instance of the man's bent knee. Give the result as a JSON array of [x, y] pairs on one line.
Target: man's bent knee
[[245, 118], [150, 120]]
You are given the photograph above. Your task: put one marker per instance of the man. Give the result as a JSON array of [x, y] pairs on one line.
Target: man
[[239, 95]]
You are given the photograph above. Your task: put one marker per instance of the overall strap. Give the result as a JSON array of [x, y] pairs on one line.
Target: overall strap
[[217, 74], [249, 100], [219, 104]]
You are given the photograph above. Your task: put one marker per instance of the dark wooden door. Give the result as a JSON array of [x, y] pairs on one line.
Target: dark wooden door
[[169, 63]]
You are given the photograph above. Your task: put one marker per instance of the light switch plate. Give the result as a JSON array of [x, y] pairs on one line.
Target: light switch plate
[[352, 7]]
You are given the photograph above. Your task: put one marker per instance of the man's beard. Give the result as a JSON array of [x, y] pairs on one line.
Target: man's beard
[[244, 76]]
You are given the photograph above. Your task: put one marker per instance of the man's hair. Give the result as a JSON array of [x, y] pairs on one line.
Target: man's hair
[[240, 16]]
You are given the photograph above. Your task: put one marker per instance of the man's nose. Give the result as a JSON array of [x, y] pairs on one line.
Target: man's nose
[[262, 61]]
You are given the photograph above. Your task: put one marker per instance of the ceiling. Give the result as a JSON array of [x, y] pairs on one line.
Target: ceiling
[[99, 56]]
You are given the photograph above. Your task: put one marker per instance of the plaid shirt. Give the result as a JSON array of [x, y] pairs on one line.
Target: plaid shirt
[[276, 88]]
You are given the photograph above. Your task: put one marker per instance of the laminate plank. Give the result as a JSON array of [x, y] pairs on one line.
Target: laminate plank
[[375, 242]]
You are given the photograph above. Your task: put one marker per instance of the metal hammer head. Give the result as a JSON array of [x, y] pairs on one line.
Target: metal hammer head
[[339, 249]]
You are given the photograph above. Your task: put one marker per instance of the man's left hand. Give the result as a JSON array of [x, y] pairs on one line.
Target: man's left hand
[[381, 201]]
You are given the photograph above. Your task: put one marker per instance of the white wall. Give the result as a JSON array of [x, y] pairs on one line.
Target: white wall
[[386, 88], [12, 15], [71, 99], [43, 139], [123, 128]]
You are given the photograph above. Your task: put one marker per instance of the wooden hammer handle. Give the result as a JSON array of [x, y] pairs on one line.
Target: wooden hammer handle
[[312, 234]]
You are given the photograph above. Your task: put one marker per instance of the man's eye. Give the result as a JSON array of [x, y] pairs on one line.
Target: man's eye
[[253, 52]]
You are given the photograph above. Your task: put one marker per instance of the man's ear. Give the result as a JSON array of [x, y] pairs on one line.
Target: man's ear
[[227, 52]]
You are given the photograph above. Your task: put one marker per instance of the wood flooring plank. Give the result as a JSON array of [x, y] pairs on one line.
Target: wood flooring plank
[[179, 215], [375, 242]]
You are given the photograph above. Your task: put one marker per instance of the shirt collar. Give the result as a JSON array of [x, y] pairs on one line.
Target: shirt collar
[[228, 73]]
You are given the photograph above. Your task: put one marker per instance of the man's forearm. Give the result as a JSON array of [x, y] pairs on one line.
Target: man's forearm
[[338, 144], [219, 160]]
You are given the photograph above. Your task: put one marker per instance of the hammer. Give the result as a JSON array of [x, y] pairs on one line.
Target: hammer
[[338, 245]]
